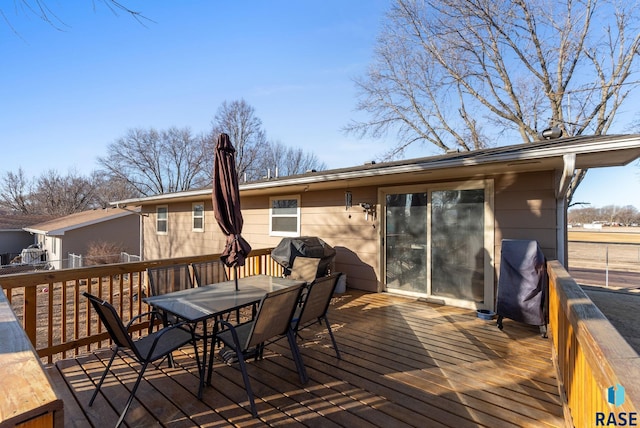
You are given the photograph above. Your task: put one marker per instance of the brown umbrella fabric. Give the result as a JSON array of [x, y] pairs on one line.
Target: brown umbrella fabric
[[226, 203]]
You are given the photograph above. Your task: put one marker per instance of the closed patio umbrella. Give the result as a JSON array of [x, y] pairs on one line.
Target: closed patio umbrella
[[226, 204]]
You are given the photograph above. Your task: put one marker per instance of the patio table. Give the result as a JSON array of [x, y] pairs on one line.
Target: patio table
[[199, 304]]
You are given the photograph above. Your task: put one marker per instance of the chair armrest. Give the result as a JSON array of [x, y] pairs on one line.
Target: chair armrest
[[231, 328], [179, 325], [152, 313], [158, 335]]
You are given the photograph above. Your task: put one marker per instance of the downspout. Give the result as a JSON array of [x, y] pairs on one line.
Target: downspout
[[141, 237], [564, 184], [141, 234]]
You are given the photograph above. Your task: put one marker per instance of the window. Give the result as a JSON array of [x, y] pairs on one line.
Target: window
[[197, 214], [284, 216], [162, 219]]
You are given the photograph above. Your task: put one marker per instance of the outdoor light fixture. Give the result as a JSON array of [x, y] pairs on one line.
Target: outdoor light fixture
[[368, 209]]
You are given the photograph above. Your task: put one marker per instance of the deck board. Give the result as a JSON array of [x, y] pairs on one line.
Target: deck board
[[405, 363]]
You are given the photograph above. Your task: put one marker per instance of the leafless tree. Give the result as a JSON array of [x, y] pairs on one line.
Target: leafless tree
[[238, 119], [445, 68], [62, 195], [287, 160], [56, 194], [627, 215], [255, 155], [609, 214], [109, 189], [42, 10], [155, 162], [15, 192]]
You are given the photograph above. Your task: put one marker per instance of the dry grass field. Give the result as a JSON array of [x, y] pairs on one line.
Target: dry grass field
[[617, 248], [617, 252]]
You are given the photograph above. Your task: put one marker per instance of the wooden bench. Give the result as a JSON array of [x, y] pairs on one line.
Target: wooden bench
[[28, 399]]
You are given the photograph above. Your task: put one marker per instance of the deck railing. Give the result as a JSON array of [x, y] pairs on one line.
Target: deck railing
[[593, 360], [590, 355], [60, 323]]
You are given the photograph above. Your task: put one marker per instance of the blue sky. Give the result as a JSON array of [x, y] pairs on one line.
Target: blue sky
[[67, 93]]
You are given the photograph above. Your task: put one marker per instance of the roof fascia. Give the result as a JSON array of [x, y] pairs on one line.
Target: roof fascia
[[61, 231]]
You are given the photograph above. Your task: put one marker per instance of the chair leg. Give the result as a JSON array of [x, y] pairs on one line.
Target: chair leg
[[209, 364], [201, 366], [297, 357], [335, 345], [247, 385], [133, 393], [104, 374]]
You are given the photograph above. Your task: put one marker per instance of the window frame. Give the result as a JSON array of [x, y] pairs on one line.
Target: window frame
[[166, 219], [282, 233], [194, 217]]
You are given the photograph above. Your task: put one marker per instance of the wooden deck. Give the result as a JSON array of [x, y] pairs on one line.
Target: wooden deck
[[405, 363]]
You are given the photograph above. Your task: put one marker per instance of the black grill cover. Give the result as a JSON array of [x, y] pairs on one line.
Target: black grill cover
[[522, 286], [305, 246]]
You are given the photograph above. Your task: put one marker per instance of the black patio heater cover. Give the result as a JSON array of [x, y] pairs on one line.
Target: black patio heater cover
[[226, 204]]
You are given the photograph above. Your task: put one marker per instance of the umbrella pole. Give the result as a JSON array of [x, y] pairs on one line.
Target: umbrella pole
[[235, 268]]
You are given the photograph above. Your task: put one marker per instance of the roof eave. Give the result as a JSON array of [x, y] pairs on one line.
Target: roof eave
[[61, 230], [521, 154]]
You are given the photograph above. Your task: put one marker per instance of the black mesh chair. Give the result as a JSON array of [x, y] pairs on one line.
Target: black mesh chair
[[272, 320], [211, 272], [315, 306], [155, 346], [167, 279]]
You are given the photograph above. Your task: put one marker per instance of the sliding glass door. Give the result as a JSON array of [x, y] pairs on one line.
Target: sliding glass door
[[406, 241], [457, 244], [438, 243]]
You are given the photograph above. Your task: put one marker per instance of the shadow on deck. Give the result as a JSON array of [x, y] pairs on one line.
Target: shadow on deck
[[405, 363]]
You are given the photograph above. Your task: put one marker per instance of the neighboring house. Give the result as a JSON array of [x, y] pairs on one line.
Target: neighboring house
[[13, 237], [429, 227], [74, 233]]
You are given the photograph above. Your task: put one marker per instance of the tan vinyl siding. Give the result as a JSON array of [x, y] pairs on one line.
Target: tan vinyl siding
[[525, 208], [181, 240], [355, 239], [524, 205]]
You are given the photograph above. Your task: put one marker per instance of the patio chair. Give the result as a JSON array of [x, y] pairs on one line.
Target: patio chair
[[167, 279], [211, 272], [305, 269], [155, 346], [315, 306], [272, 320]]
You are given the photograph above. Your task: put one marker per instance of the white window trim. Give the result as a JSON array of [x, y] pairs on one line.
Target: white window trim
[[297, 216], [193, 217], [158, 207]]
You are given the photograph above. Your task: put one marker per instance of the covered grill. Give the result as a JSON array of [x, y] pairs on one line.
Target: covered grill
[[304, 246], [522, 286]]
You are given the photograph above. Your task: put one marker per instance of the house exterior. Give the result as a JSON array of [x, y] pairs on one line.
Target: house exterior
[[73, 234], [13, 237], [429, 227]]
